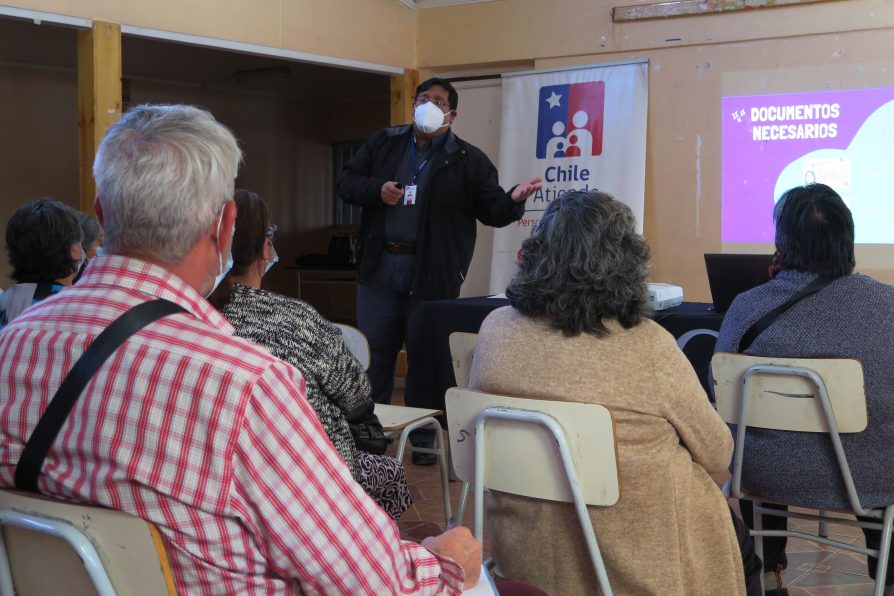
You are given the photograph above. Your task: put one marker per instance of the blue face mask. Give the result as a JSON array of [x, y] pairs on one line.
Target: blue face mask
[[272, 262], [100, 251]]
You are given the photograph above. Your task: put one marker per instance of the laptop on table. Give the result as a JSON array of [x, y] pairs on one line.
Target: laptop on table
[[731, 274]]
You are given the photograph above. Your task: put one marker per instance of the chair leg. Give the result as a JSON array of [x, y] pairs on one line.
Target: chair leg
[[884, 552], [461, 505], [823, 526], [759, 542], [7, 587], [444, 465], [402, 445], [438, 450]]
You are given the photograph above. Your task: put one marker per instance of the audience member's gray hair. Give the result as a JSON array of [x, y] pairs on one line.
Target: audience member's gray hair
[[163, 174], [583, 263], [89, 228]]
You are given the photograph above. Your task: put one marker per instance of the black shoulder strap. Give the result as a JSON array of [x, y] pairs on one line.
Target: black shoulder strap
[[40, 441], [43, 290], [755, 330]]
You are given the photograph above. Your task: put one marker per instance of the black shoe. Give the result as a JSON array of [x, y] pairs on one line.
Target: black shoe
[[424, 459]]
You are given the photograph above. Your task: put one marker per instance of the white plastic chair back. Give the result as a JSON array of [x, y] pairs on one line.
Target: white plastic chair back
[[522, 459], [462, 348], [356, 342], [558, 451], [54, 547], [783, 397], [806, 395]]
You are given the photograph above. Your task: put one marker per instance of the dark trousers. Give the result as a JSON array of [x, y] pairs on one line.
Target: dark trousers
[[383, 307], [751, 564], [774, 548]]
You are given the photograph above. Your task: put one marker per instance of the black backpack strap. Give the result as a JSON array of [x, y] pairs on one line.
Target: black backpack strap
[[758, 327], [49, 425], [42, 290]]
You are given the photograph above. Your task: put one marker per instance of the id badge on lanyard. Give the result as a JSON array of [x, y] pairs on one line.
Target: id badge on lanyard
[[410, 195]]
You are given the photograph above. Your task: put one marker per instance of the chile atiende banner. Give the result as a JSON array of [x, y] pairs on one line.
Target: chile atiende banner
[[578, 129]]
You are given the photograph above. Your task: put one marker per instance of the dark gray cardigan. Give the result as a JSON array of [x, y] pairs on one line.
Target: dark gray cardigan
[[851, 317], [293, 331]]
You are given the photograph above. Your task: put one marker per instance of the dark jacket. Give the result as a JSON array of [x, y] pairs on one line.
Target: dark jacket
[[462, 187], [852, 317]]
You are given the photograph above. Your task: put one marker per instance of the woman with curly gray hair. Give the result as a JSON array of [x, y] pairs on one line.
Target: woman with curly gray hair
[[577, 329]]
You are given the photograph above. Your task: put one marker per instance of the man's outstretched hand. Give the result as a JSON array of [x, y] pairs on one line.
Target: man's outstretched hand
[[525, 189]]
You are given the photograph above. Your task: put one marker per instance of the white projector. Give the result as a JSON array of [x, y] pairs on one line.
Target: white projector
[[663, 296]]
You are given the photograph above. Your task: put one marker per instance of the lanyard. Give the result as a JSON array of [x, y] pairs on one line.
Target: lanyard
[[418, 168]]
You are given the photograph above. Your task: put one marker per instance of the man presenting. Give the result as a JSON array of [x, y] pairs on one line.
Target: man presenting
[[421, 188]]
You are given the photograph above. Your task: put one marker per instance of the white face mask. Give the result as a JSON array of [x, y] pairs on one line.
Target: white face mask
[[429, 118], [81, 262], [222, 269], [271, 262]]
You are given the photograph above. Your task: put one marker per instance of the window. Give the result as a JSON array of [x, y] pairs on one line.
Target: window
[[343, 214]]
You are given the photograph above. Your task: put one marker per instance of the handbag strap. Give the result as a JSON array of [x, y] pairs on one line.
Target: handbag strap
[[43, 290], [761, 324], [49, 425]]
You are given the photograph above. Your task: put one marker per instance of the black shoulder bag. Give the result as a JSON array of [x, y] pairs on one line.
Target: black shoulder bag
[[49, 425], [761, 325], [367, 430]]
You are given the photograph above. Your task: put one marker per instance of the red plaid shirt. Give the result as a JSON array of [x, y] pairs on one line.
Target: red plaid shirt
[[207, 436]]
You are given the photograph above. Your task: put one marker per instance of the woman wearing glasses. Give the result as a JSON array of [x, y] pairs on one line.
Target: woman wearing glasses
[[292, 330]]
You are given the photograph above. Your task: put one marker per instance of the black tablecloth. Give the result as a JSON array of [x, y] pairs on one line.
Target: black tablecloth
[[432, 322]]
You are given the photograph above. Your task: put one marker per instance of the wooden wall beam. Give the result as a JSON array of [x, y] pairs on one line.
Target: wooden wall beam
[[99, 97], [403, 94], [683, 8]]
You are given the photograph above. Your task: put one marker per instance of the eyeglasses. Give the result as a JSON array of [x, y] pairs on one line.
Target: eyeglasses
[[439, 103], [271, 232]]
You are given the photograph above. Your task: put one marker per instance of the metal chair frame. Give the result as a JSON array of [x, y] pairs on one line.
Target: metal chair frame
[[400, 421], [734, 485], [580, 505], [90, 548], [356, 342], [78, 541]]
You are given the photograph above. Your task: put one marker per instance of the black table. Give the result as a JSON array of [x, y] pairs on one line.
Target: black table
[[430, 371]]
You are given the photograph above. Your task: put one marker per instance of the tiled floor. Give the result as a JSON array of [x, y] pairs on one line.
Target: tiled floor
[[823, 570], [813, 569]]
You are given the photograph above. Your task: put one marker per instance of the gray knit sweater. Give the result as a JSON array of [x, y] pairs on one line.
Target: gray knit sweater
[[293, 331], [851, 317]]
